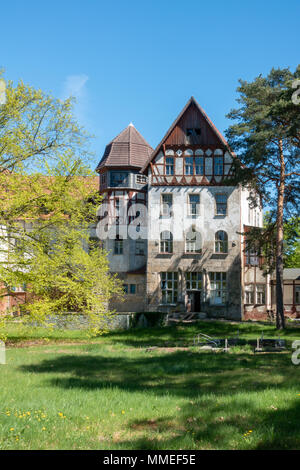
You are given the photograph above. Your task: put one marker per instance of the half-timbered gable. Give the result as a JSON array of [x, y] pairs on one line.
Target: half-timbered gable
[[193, 152]]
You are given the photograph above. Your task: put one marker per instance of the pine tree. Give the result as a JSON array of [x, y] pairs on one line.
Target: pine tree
[[266, 137]]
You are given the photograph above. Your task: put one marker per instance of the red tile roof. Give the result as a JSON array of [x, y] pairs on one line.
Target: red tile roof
[[129, 148]]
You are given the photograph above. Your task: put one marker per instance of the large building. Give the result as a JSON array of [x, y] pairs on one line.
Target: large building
[[174, 229]]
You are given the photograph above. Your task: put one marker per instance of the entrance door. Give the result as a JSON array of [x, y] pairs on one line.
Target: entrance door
[[194, 297]]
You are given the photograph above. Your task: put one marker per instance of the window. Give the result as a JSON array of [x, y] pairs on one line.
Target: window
[[166, 242], [20, 288], [132, 289], [218, 288], [297, 294], [221, 242], [141, 179], [194, 204], [169, 287], [249, 294], [118, 246], [118, 178], [192, 133], [103, 178], [260, 294], [129, 288], [139, 247], [166, 204], [193, 241], [169, 166], [193, 281], [188, 168], [252, 255], [221, 204], [199, 166], [218, 166]]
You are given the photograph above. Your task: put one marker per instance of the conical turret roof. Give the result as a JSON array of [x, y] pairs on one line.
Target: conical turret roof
[[128, 149]]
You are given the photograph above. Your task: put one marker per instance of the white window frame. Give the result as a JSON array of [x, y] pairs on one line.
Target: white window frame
[[221, 246], [169, 287], [249, 294], [221, 204], [166, 244], [218, 165], [260, 295], [192, 205], [191, 241], [169, 166], [166, 207], [218, 291]]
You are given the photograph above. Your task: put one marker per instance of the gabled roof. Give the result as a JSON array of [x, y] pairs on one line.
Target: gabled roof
[[291, 273], [191, 101], [129, 148]]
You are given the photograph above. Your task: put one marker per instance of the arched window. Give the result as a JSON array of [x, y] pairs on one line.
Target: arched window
[[221, 242], [193, 242], [166, 242]]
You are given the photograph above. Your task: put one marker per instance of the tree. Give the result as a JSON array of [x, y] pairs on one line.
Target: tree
[[292, 243], [48, 213], [266, 136]]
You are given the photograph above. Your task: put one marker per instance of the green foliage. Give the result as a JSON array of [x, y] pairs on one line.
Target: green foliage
[[292, 243], [267, 116], [48, 213]]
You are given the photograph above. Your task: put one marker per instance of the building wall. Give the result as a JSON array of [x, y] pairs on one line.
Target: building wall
[[207, 223], [131, 302]]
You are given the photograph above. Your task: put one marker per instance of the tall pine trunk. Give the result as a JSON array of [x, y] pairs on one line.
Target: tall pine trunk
[[280, 320]]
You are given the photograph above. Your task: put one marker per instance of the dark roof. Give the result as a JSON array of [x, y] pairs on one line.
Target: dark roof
[[203, 113], [289, 274], [129, 148]]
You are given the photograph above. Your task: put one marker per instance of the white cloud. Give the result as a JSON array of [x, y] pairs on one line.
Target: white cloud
[[75, 85]]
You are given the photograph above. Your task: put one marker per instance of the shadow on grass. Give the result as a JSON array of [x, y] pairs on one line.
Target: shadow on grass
[[183, 335], [202, 379]]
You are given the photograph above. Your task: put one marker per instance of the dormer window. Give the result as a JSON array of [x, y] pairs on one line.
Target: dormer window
[[192, 134], [193, 131]]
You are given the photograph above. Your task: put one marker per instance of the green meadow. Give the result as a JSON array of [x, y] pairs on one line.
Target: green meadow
[[148, 389]]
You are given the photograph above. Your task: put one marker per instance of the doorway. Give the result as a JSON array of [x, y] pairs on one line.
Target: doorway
[[195, 299]]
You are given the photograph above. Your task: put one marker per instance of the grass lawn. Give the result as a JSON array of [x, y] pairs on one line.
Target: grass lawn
[[61, 390]]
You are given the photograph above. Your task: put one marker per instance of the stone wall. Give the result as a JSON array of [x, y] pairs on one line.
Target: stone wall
[[207, 223]]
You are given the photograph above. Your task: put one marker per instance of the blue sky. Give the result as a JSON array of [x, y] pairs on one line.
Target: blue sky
[[141, 61]]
